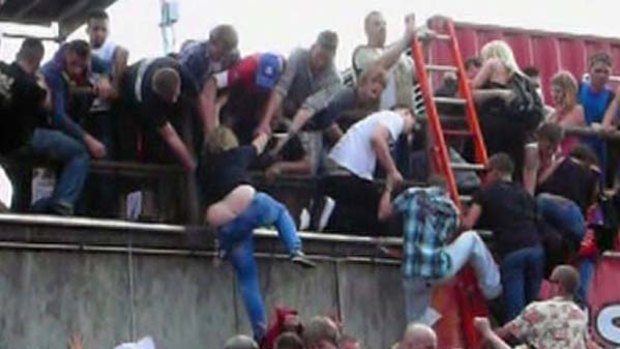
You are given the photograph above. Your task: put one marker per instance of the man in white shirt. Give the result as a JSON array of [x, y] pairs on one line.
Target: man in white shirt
[[352, 163]]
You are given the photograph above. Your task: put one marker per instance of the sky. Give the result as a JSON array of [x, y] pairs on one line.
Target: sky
[[281, 25]]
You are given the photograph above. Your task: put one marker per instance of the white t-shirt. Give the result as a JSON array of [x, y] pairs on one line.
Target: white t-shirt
[[354, 150], [6, 189]]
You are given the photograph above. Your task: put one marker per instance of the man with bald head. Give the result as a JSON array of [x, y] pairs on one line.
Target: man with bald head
[[419, 336], [554, 323], [399, 89]]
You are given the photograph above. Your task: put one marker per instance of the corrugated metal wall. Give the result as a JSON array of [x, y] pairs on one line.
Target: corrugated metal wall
[[549, 52]]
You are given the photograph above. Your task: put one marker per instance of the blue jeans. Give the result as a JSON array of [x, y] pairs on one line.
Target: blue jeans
[[75, 161], [586, 273], [563, 214], [522, 274], [235, 240]]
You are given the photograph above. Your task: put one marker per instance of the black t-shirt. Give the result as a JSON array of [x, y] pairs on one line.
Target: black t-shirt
[[293, 150], [509, 211], [219, 174], [21, 107], [573, 181], [152, 109]]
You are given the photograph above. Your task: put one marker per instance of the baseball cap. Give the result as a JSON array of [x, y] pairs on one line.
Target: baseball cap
[[269, 70]]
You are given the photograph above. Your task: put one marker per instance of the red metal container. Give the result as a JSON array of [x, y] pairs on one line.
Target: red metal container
[[548, 51]]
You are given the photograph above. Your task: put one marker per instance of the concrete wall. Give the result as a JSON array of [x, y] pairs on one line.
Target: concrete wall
[[182, 301]]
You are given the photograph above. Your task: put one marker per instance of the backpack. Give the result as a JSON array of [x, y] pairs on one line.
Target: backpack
[[526, 106]]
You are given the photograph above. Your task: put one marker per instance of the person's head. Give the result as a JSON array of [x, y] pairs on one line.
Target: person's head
[[30, 55], [288, 340], [223, 40], [407, 114], [221, 139], [501, 51], [419, 336], [371, 84], [600, 70], [534, 74], [269, 69], [77, 58], [585, 154], [500, 166], [549, 136], [564, 90], [240, 342], [321, 333], [565, 280], [291, 322], [97, 27], [323, 51], [348, 342], [375, 28], [166, 83], [472, 66], [438, 181]]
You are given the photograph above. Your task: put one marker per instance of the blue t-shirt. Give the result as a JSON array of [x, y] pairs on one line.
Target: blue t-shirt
[[595, 104]]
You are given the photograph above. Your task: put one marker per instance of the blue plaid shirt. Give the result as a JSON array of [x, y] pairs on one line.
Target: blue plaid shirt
[[430, 220]]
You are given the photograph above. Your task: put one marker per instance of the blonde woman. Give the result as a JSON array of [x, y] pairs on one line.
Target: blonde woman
[[493, 94], [235, 209], [567, 113]]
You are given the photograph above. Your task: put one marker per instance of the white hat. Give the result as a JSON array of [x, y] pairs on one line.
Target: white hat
[[144, 343]]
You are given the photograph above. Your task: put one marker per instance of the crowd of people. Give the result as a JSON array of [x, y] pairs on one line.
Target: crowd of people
[[221, 116]]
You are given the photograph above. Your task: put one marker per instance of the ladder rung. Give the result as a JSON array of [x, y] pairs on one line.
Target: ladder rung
[[441, 68], [449, 100], [457, 133], [442, 37], [467, 167], [466, 198]]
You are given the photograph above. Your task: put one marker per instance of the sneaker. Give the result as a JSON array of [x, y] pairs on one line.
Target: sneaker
[[300, 258]]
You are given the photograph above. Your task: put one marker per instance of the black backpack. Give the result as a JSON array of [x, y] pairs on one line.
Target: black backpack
[[526, 108]]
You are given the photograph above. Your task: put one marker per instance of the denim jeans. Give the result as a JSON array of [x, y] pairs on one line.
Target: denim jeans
[[522, 274], [235, 239], [586, 273], [468, 248], [75, 160], [563, 214]]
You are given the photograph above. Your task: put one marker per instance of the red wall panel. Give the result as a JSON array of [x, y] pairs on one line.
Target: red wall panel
[[549, 52]]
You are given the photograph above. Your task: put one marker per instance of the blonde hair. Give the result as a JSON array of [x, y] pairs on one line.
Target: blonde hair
[[501, 51], [567, 83], [220, 140]]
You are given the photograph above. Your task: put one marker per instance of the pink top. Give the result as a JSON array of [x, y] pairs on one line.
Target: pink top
[[573, 118]]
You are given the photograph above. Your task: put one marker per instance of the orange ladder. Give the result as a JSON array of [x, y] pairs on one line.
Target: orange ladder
[[439, 151], [467, 295]]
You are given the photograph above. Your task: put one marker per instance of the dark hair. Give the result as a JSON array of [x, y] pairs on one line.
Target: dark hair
[[319, 329], [473, 62], [584, 153], [438, 181], [550, 132], [327, 40], [79, 47], [601, 57], [225, 35], [98, 14], [166, 81], [502, 163], [531, 72], [373, 73], [288, 340], [31, 50]]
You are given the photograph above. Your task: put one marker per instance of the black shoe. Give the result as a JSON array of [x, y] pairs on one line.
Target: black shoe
[[300, 258]]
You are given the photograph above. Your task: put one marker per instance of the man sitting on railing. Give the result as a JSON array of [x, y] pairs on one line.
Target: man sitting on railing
[[159, 100], [25, 128], [430, 255]]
